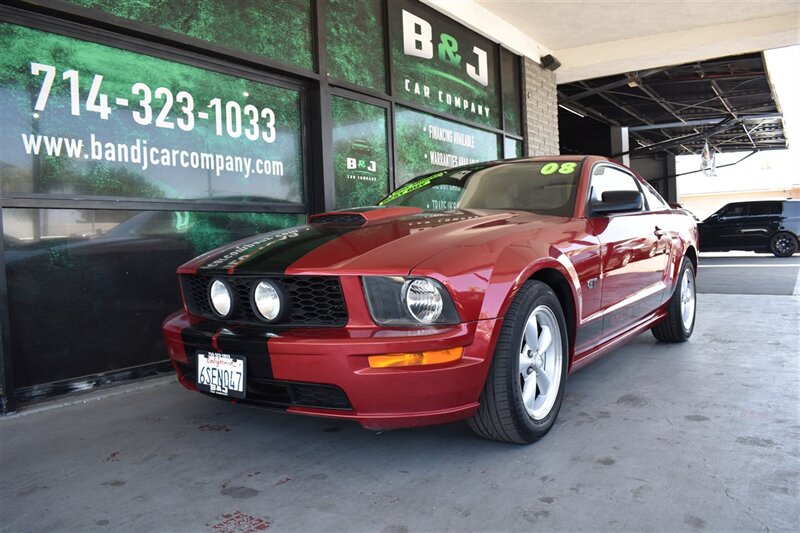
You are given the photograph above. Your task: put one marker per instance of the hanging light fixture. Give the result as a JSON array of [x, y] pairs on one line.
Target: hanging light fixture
[[708, 163]]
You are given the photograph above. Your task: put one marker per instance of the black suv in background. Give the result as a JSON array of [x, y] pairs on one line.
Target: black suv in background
[[769, 225]]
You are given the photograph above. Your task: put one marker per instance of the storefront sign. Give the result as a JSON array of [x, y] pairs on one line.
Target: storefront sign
[[82, 118], [442, 65]]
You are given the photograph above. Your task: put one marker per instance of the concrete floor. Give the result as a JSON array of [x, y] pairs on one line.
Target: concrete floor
[[748, 273], [654, 437]]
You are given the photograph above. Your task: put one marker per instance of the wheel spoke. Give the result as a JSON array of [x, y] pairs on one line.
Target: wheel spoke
[[529, 392], [532, 333], [545, 339], [543, 380]]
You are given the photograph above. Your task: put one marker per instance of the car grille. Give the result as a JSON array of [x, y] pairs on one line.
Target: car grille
[[312, 300]]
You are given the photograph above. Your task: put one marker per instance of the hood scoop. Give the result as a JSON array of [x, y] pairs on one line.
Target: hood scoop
[[338, 219], [359, 217]]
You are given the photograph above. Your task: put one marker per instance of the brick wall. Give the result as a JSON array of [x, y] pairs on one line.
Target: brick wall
[[541, 109]]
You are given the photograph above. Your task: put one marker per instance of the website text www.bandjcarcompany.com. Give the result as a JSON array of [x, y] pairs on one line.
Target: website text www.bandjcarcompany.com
[[145, 156]]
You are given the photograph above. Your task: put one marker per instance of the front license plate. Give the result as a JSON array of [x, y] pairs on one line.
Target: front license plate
[[221, 373]]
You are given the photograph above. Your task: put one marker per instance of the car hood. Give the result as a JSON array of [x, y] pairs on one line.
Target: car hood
[[365, 241]]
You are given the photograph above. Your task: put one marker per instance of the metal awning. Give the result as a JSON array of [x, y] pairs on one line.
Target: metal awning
[[726, 101]]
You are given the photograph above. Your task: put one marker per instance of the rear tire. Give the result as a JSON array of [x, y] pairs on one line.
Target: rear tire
[[783, 244], [525, 386], [681, 310]]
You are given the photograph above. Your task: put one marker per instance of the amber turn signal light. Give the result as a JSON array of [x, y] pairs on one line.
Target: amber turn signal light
[[416, 358]]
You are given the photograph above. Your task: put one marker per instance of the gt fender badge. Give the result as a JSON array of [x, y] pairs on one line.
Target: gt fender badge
[[592, 283]]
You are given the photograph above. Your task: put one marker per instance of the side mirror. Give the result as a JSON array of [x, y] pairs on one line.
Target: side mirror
[[618, 202]]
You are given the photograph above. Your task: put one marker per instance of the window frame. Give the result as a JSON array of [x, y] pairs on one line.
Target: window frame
[[721, 214], [588, 208]]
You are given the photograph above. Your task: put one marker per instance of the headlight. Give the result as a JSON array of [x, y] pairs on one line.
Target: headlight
[[423, 300], [404, 301], [221, 298], [267, 300]]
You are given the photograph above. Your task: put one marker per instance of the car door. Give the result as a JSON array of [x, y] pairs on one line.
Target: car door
[[762, 220], [721, 231], [634, 254]]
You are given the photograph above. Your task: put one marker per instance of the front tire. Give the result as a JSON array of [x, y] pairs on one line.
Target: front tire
[[681, 310], [783, 244], [525, 386]]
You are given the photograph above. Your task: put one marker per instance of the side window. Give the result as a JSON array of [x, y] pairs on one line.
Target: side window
[[654, 200], [764, 209], [733, 211], [606, 178]]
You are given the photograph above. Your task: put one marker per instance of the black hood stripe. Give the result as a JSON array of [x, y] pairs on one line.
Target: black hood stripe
[[239, 341], [278, 258], [274, 252]]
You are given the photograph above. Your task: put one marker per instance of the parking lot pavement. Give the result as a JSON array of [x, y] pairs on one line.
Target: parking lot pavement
[[703, 435], [748, 273]]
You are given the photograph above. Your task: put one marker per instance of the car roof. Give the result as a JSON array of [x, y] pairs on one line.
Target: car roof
[[533, 159]]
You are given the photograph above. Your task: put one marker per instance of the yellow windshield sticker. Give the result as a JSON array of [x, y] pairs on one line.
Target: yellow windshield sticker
[[410, 187], [563, 168]]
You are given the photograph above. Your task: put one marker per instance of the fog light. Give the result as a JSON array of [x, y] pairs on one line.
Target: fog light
[[221, 298], [416, 358], [267, 300]]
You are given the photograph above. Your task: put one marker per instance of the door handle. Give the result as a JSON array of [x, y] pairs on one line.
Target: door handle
[[659, 232]]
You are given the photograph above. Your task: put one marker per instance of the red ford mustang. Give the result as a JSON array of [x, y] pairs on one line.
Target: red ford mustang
[[467, 293]]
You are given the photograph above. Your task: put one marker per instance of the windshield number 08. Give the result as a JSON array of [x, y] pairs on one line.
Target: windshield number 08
[[563, 168]]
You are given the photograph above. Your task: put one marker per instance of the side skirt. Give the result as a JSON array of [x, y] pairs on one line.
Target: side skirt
[[584, 358]]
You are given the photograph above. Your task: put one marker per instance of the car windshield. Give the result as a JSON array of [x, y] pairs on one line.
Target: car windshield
[[544, 187]]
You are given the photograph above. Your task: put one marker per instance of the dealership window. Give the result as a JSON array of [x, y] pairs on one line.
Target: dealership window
[[512, 101], [511, 148], [198, 157], [100, 282], [360, 151], [137, 135], [80, 118], [354, 41], [431, 143], [277, 30]]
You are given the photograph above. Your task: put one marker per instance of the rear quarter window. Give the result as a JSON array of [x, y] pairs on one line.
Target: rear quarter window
[[791, 209], [758, 209]]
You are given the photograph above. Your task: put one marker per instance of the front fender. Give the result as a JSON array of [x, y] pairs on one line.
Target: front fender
[[483, 279], [557, 262]]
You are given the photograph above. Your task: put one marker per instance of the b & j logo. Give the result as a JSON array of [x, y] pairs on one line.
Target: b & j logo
[[427, 80], [362, 160], [418, 42]]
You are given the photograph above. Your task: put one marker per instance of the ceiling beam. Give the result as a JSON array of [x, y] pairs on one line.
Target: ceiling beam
[[702, 122], [611, 85], [717, 128], [715, 87]]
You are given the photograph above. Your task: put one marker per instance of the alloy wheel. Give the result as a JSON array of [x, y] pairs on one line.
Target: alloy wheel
[[540, 362], [688, 298]]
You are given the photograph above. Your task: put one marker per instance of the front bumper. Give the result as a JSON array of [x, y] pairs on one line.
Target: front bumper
[[325, 372]]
